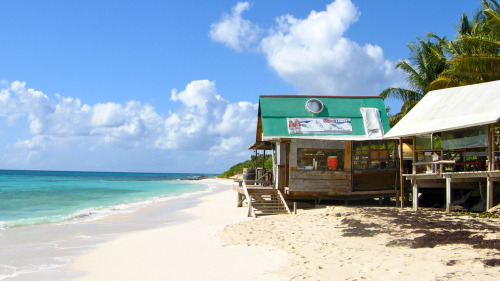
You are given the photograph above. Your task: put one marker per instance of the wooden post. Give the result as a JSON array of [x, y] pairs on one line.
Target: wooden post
[[448, 194], [277, 166], [285, 160], [294, 208], [493, 160], [432, 140], [288, 154], [433, 167], [348, 163], [491, 150], [273, 157], [251, 213], [441, 170], [491, 166], [489, 194], [415, 194], [256, 164], [398, 203], [414, 171], [264, 160], [240, 200], [401, 179], [414, 154]]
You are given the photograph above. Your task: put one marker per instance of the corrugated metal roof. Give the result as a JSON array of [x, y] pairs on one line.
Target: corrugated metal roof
[[450, 109], [274, 111]]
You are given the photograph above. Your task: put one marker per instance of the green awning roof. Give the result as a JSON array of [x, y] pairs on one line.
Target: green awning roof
[[274, 111]]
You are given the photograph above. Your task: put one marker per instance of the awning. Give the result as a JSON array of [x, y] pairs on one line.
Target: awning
[[261, 145], [451, 109]]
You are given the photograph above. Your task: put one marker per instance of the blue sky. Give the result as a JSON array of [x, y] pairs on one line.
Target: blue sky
[[173, 86]]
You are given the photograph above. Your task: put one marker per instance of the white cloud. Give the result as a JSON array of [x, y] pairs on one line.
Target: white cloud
[[204, 122], [108, 115], [314, 55], [234, 31], [9, 106], [34, 144], [198, 95]]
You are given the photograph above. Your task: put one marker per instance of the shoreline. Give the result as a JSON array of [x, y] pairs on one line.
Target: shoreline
[[188, 250], [127, 199], [206, 237], [43, 251]]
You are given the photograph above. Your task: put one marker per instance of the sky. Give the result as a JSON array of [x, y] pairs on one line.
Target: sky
[[173, 86]]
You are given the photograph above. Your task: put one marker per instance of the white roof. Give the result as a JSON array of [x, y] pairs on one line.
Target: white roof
[[450, 109]]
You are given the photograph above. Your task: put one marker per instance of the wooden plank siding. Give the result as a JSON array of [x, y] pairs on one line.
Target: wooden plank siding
[[374, 180], [311, 183], [319, 181], [457, 183]]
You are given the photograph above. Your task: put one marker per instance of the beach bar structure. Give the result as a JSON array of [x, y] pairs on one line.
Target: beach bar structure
[[455, 138], [328, 147]]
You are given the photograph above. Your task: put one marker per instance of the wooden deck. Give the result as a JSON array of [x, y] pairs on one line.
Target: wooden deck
[[350, 195], [449, 177]]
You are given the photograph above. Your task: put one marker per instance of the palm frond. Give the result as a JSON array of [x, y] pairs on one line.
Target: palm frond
[[401, 94], [480, 41], [443, 81]]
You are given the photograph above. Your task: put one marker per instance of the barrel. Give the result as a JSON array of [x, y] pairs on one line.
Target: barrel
[[332, 162], [248, 174]]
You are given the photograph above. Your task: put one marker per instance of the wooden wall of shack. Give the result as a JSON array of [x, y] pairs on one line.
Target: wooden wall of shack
[[319, 183], [301, 184]]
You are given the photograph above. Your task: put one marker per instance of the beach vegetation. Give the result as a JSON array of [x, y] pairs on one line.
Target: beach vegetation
[[484, 215], [472, 57], [426, 62], [479, 215], [238, 168]]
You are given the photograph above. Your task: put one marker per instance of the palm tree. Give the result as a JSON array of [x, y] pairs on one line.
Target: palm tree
[[426, 62], [475, 52]]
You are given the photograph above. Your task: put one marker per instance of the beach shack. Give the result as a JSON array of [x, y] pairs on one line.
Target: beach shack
[[454, 134], [328, 147]]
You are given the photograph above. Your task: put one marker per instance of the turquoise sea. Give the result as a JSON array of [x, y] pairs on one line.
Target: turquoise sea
[[48, 218], [38, 197]]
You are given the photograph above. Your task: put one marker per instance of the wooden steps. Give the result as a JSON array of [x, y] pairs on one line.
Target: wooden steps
[[265, 201]]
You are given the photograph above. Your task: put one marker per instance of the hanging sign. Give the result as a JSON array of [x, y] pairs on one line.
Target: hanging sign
[[319, 126]]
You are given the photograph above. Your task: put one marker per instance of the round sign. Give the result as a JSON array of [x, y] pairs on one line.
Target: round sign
[[314, 106]]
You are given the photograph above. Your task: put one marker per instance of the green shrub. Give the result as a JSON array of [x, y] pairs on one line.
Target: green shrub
[[238, 168]]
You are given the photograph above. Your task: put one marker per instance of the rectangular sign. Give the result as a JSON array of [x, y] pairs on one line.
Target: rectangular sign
[[319, 126]]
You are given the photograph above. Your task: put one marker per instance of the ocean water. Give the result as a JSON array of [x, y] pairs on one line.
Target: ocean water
[[49, 218], [37, 197]]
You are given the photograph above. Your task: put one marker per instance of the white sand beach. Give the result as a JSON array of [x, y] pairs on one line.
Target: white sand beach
[[371, 243], [331, 243], [185, 251]]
